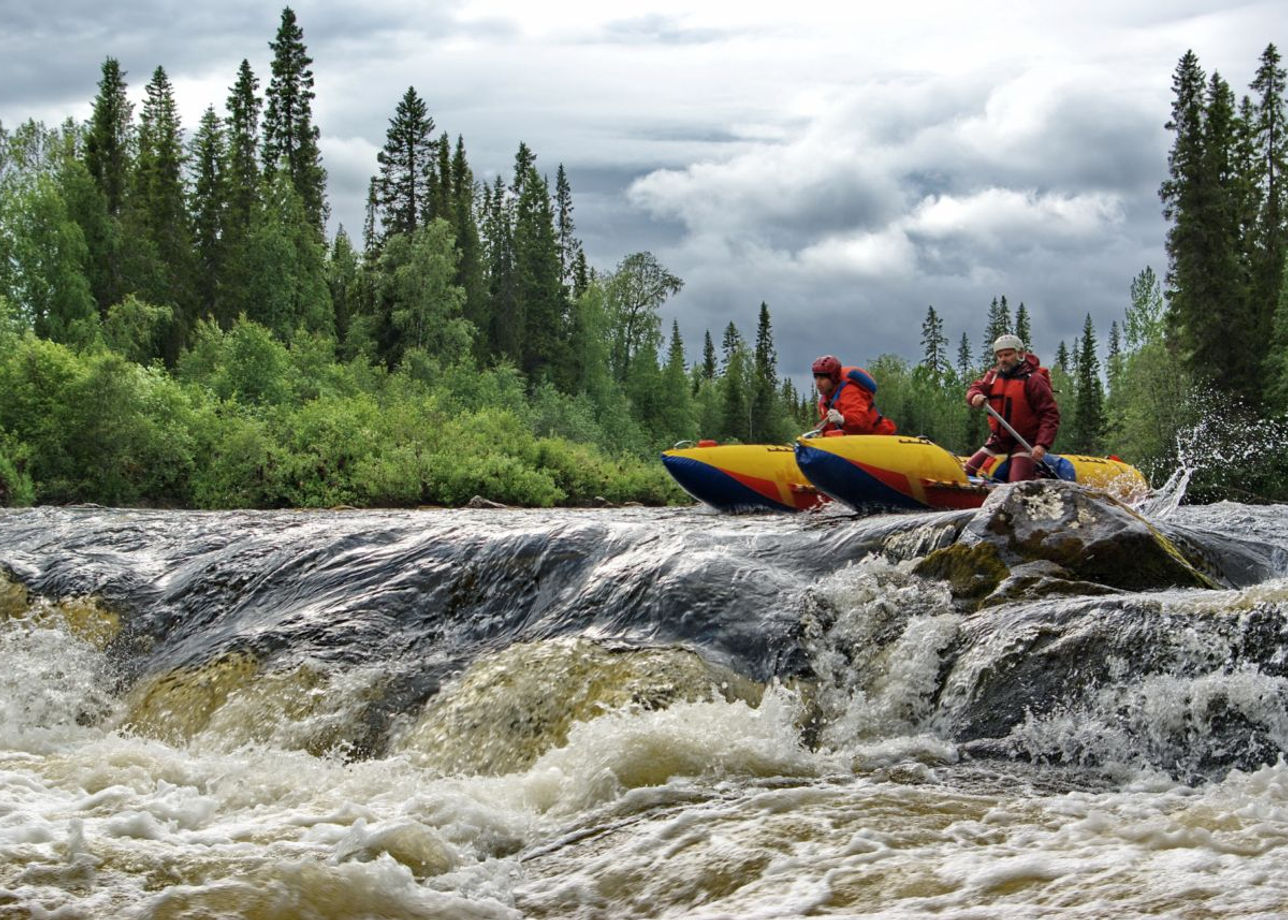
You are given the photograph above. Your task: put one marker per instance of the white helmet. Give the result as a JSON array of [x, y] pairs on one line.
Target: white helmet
[[1007, 341]]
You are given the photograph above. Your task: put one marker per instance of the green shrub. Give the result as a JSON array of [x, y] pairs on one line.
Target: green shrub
[[16, 487]]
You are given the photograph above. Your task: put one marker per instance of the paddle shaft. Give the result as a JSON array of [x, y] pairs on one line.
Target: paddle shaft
[[1018, 437]]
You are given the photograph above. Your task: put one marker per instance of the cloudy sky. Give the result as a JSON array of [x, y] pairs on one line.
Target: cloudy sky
[[847, 164]]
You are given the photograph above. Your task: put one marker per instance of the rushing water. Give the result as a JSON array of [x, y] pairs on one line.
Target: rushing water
[[626, 713]]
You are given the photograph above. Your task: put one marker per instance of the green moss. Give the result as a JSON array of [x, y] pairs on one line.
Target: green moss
[[972, 572]]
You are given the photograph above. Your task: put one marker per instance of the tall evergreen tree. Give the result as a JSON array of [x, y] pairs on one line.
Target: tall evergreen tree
[[470, 275], [505, 322], [677, 421], [569, 245], [159, 212], [1211, 316], [934, 344], [1062, 358], [1022, 327], [109, 142], [1270, 143], [208, 207], [1089, 409], [1114, 354], [243, 195], [965, 364], [290, 140], [407, 167], [109, 160], [442, 197], [540, 286], [708, 366], [735, 405], [998, 323], [765, 413], [243, 108], [370, 236]]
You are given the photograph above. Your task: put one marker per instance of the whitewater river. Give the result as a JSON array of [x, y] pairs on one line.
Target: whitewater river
[[626, 713]]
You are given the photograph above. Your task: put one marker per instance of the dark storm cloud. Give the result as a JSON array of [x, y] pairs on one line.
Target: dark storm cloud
[[847, 166]]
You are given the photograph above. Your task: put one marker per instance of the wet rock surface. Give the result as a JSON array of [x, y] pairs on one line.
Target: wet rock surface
[[1045, 537]]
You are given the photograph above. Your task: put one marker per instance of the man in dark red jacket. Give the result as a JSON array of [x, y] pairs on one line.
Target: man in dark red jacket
[[1019, 390], [845, 399]]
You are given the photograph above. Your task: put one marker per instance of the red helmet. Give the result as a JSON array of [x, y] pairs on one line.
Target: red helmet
[[829, 365]]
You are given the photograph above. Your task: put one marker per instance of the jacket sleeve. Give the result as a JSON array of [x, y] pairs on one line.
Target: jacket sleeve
[[979, 387], [1042, 401]]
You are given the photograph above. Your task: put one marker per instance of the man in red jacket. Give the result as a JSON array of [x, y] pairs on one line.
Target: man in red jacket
[[1019, 390], [845, 399]]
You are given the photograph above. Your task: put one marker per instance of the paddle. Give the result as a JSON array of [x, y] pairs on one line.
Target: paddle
[[1042, 464]]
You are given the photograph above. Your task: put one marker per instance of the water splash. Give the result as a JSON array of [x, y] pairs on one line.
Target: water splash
[[1229, 453]]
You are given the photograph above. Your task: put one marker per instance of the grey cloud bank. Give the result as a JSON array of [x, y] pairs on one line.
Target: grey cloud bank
[[847, 168]]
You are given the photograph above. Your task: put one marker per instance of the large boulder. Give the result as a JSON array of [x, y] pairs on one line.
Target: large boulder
[[1047, 537]]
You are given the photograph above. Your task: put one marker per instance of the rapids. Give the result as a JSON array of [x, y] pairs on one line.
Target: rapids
[[627, 712]]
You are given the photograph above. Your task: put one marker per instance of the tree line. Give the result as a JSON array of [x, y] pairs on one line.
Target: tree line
[[176, 328]]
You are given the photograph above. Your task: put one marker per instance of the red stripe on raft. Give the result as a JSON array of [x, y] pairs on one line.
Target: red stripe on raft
[[897, 481]]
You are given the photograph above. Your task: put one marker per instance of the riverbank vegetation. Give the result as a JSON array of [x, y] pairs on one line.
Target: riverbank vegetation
[[177, 330]]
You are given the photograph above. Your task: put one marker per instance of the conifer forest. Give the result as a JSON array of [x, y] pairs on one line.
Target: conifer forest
[[177, 330]]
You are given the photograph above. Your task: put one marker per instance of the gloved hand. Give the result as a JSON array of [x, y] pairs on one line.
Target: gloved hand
[[835, 417]]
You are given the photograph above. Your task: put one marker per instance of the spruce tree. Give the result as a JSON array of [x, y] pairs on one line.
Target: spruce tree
[[735, 406], [708, 365], [1022, 328], [441, 205], [998, 323], [290, 140], [1062, 358], [1090, 395], [570, 254], [506, 321], [407, 167], [242, 169], [370, 236], [765, 413], [934, 344], [1114, 354], [209, 207], [108, 143], [1179, 191], [677, 415], [158, 213], [109, 160], [243, 194], [1223, 330], [965, 365], [540, 286], [1270, 142], [470, 276]]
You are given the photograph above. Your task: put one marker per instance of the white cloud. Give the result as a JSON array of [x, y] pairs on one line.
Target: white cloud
[[1001, 216]]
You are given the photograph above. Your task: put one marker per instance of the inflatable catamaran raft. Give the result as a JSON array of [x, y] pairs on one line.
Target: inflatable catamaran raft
[[869, 473]]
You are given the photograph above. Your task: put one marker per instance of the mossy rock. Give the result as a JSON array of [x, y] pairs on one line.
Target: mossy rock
[[972, 572], [1091, 535]]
